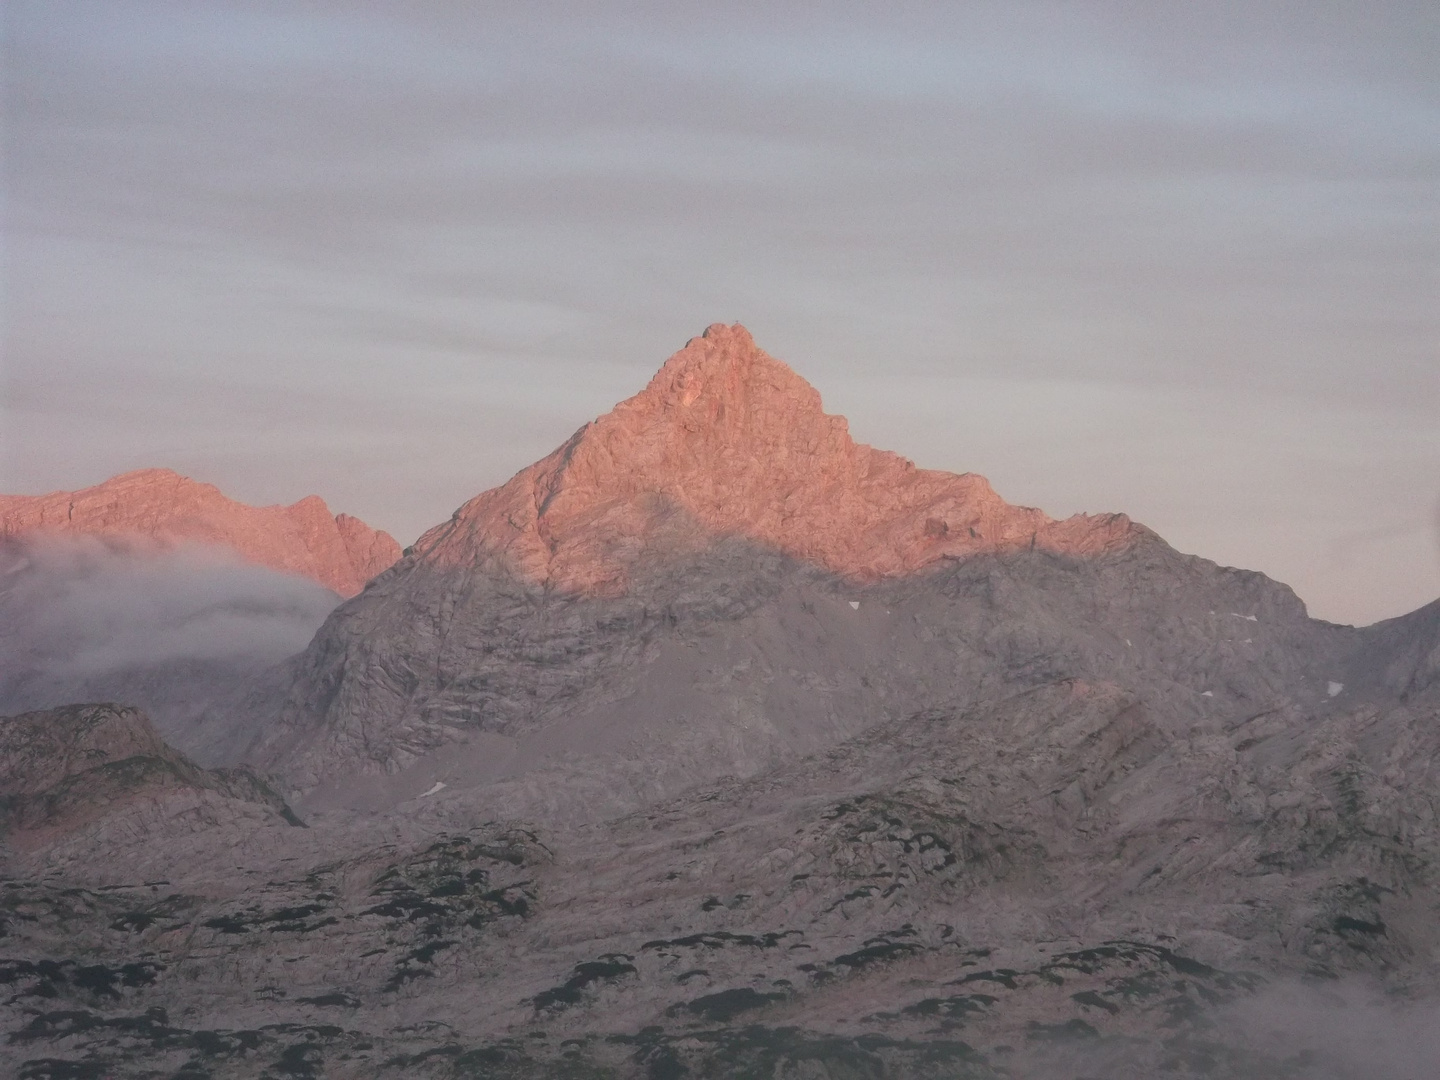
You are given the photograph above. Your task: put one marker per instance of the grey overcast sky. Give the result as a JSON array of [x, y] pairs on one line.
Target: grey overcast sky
[[1180, 260]]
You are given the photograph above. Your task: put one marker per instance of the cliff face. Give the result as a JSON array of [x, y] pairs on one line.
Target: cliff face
[[728, 441], [165, 508]]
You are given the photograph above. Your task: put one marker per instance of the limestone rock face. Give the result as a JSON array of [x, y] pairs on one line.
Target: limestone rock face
[[163, 507], [733, 442]]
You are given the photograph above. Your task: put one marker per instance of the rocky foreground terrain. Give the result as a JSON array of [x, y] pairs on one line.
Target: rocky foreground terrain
[[716, 745]]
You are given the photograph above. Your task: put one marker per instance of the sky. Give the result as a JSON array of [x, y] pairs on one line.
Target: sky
[[1181, 261]]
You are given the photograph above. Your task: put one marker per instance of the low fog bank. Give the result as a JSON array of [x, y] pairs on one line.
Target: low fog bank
[[1346, 1029], [1341, 1030], [83, 606], [189, 634]]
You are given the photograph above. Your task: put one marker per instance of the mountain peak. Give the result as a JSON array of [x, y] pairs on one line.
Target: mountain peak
[[722, 361], [728, 441], [722, 380], [723, 402], [163, 507]]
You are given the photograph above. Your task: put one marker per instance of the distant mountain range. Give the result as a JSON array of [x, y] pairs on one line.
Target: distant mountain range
[[167, 509], [714, 744]]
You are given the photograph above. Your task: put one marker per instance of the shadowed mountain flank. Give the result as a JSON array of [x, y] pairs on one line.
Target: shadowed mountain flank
[[166, 509], [1402, 655]]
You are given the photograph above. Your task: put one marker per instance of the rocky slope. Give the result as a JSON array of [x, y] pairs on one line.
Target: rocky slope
[[1048, 886], [162, 507]]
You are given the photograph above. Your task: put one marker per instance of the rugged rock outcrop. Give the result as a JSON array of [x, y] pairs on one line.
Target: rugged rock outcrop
[[64, 769], [162, 507]]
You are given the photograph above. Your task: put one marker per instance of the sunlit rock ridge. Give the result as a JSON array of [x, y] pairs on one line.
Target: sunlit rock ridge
[[165, 508], [728, 441]]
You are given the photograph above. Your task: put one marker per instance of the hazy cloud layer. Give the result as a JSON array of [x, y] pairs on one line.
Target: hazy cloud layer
[[1341, 1030], [1182, 262], [80, 607]]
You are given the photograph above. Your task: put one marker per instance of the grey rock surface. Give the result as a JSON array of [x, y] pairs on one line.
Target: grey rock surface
[[735, 660], [64, 770]]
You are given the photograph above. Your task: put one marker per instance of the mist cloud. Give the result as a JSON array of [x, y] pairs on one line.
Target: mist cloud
[[1347, 1029], [78, 607], [1350, 1028]]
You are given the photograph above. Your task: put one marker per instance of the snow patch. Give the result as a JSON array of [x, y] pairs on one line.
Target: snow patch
[[439, 786], [1208, 693], [1251, 618], [855, 604], [1334, 688]]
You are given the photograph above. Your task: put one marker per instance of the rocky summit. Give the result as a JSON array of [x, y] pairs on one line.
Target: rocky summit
[[718, 745], [728, 441]]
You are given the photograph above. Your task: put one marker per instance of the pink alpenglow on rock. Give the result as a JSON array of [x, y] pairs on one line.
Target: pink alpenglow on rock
[[163, 507], [727, 440]]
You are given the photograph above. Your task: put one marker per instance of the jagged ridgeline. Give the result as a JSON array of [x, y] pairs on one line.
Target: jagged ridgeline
[[718, 745]]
